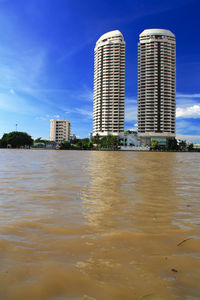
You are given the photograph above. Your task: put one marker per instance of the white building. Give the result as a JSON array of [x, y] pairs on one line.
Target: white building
[[109, 84], [59, 130], [156, 85]]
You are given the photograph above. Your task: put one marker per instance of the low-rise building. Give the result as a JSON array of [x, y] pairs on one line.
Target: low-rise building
[[59, 130], [196, 146], [73, 137], [39, 145], [130, 138]]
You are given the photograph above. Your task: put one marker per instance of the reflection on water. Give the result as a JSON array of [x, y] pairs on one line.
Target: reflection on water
[[129, 192], [99, 225]]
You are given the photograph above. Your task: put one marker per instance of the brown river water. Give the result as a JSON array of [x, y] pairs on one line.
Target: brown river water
[[84, 225]]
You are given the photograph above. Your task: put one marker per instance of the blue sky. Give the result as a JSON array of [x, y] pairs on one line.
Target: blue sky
[[47, 59]]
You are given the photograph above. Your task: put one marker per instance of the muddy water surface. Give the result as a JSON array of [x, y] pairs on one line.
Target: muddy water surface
[[99, 225]]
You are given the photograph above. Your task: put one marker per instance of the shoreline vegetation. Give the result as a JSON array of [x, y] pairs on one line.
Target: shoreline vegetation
[[22, 140]]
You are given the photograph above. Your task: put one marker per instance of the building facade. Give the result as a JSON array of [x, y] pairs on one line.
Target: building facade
[[59, 130], [156, 85], [109, 84], [129, 139]]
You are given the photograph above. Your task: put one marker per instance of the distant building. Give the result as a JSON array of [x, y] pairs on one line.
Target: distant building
[[51, 145], [59, 130], [156, 85], [39, 145], [73, 137], [109, 84]]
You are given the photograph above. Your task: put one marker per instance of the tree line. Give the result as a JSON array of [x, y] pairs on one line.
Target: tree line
[[108, 143], [16, 139], [172, 145]]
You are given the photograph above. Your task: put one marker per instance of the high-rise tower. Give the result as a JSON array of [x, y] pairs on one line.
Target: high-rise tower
[[156, 85], [109, 84]]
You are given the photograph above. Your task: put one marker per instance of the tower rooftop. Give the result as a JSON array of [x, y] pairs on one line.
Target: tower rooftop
[[157, 31], [110, 34]]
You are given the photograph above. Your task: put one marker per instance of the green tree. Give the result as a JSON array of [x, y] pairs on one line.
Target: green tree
[[182, 145], [96, 139], [79, 144], [65, 145], [114, 142], [85, 143], [3, 144], [172, 144], [127, 131], [85, 140], [17, 139], [154, 144], [109, 142], [40, 140], [103, 142], [190, 147], [89, 145]]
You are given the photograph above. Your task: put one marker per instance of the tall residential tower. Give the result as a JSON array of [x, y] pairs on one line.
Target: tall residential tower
[[109, 84], [156, 85]]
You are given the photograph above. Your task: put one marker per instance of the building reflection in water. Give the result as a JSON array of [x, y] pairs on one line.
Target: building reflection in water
[[132, 191]]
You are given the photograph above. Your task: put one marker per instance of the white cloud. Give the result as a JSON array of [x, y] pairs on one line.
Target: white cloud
[[27, 68], [41, 118], [188, 105], [179, 95], [47, 117], [132, 129], [131, 114], [187, 126], [188, 112], [193, 138], [69, 111], [86, 94], [130, 100], [130, 109], [84, 112], [12, 91], [72, 51], [14, 103]]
